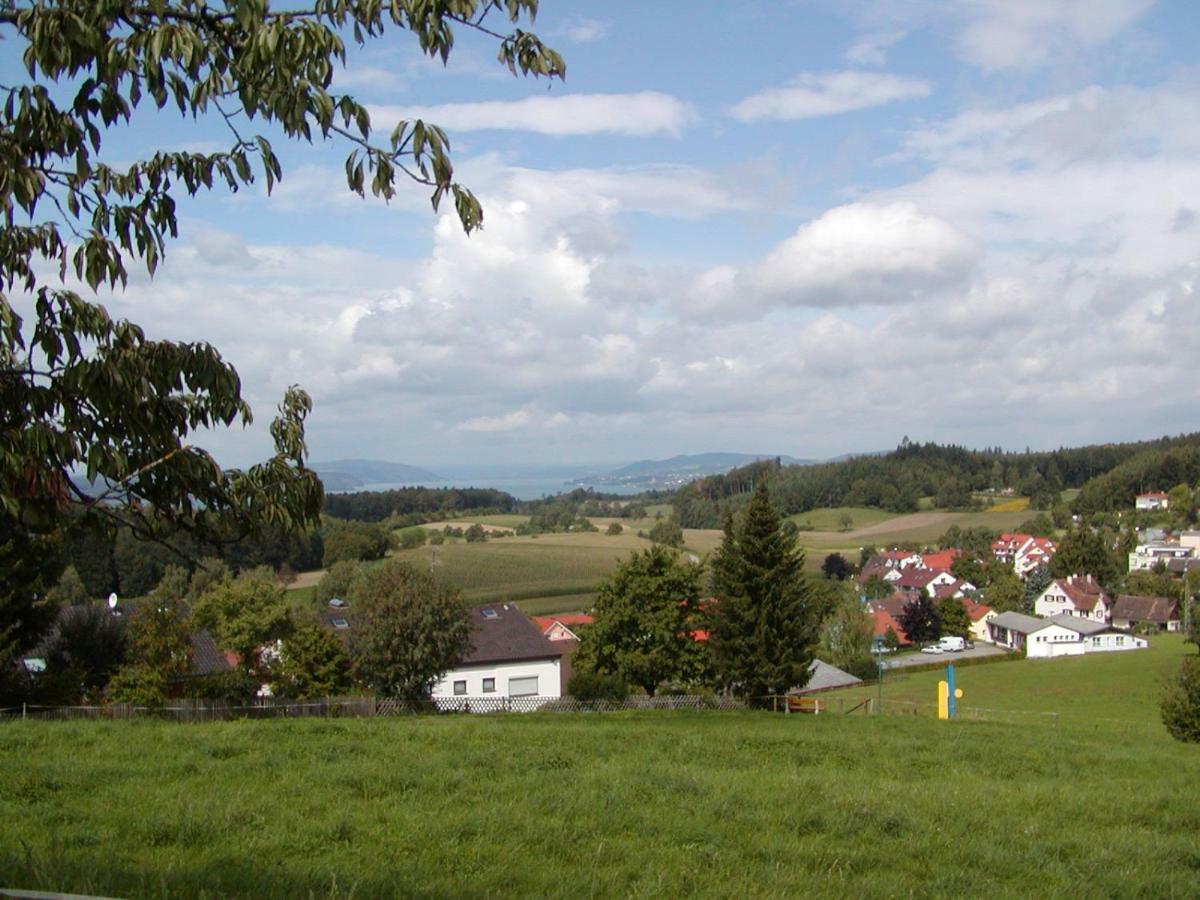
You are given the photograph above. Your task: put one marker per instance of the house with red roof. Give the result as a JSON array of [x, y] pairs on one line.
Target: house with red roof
[[943, 559], [559, 628], [1005, 547], [1034, 552], [1075, 595], [980, 615]]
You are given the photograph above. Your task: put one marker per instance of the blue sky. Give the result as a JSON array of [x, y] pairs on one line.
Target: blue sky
[[787, 227]]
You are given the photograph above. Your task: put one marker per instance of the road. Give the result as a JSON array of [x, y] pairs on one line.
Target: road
[[922, 659]]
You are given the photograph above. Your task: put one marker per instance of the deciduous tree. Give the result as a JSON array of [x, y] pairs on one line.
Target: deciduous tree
[[244, 614], [953, 617], [82, 391], [920, 620], [311, 664], [408, 630], [645, 613]]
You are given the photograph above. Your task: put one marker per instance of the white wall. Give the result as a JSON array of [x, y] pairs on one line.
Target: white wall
[[1102, 643], [1051, 641], [547, 672]]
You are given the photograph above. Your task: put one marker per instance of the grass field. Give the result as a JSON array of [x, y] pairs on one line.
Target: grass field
[[828, 518], [612, 805], [1097, 692]]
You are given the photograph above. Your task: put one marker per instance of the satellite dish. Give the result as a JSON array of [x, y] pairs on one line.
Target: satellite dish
[[112, 600]]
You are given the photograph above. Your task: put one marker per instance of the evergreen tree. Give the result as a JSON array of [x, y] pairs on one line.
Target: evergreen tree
[[1084, 552], [766, 619], [1035, 582]]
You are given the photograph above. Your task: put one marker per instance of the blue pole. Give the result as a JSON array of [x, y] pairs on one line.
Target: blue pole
[[950, 685]]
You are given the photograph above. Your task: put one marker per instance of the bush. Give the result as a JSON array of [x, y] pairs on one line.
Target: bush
[[229, 687], [588, 686], [476, 534], [137, 685], [411, 538], [437, 539], [614, 528], [1181, 703], [667, 532]]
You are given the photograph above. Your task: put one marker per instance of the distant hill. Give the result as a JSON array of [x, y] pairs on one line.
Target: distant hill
[[349, 474], [679, 470]]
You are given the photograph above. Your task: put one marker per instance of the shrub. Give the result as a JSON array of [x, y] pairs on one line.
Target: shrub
[[614, 528], [476, 534], [137, 685], [587, 686], [437, 539], [1181, 703]]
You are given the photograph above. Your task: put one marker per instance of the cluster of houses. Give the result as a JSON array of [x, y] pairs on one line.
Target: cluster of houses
[[1073, 615], [1177, 555]]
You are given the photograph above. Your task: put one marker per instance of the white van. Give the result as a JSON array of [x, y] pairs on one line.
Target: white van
[[953, 644]]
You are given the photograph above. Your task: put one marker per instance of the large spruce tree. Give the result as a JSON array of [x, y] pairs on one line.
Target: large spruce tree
[[767, 616]]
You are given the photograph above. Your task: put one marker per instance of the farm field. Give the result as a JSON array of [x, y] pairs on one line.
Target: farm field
[[910, 528], [827, 518], [620, 804], [1097, 692]]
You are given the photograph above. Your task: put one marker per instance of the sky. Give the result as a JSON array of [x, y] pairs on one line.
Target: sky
[[806, 228]]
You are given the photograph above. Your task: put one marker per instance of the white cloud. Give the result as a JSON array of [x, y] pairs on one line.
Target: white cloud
[[1025, 34], [518, 418], [861, 254], [871, 49], [638, 114], [828, 94]]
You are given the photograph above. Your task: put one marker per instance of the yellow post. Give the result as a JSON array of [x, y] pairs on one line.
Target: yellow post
[[943, 694]]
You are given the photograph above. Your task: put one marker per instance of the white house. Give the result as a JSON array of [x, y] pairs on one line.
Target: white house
[[509, 659], [1152, 500], [1036, 551], [1074, 636], [980, 615], [1147, 556], [1075, 595]]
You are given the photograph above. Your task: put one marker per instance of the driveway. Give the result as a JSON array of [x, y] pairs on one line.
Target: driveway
[[923, 659]]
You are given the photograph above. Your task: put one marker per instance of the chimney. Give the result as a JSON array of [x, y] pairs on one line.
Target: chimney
[[1070, 579]]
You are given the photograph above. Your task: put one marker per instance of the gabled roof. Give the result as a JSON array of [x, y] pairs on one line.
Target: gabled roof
[[545, 623], [918, 578], [1083, 591], [883, 620], [206, 658], [1145, 609], [502, 633], [943, 559], [976, 611], [824, 677], [1152, 495]]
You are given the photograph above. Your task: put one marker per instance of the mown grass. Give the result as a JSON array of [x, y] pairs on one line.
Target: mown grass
[[565, 603], [1096, 692], [647, 804], [828, 518]]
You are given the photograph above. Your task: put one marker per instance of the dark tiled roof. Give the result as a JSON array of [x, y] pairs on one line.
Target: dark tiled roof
[[206, 658], [1145, 609], [506, 636]]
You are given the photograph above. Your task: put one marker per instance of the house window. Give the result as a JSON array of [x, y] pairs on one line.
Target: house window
[[489, 685], [460, 687], [523, 687]]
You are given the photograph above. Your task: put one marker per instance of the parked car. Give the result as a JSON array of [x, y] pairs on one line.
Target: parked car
[[932, 648]]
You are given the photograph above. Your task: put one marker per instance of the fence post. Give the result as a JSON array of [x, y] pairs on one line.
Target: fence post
[[23, 706]]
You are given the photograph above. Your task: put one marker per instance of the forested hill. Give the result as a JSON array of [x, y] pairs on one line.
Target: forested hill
[[896, 481], [375, 506]]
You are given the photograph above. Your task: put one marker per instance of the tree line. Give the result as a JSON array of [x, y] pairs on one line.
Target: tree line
[[950, 474]]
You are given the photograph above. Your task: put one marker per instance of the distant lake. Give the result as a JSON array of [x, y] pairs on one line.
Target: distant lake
[[522, 488]]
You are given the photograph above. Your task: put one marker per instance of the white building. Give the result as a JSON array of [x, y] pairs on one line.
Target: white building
[[1146, 556], [1075, 595], [1153, 500], [509, 659], [1074, 636]]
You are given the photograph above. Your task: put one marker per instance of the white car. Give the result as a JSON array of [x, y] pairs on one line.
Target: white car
[[933, 648]]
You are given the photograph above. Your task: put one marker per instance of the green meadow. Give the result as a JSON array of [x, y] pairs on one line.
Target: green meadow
[[604, 805]]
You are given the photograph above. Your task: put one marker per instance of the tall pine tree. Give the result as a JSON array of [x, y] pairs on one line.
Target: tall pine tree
[[767, 617]]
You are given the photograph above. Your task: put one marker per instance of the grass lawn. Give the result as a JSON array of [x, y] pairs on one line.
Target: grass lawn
[[1095, 693], [608, 805], [566, 603]]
